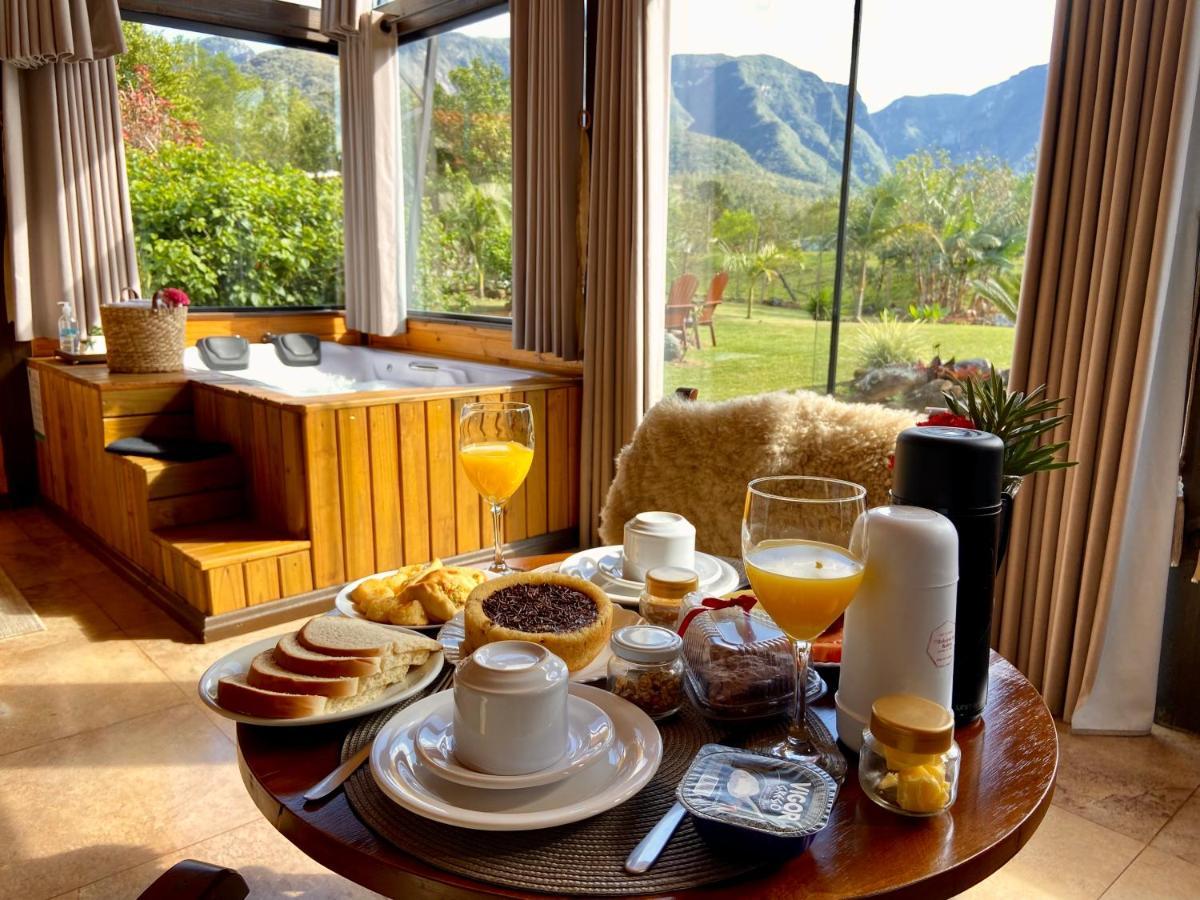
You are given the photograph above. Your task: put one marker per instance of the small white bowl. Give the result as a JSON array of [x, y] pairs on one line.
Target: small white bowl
[[510, 708], [655, 539]]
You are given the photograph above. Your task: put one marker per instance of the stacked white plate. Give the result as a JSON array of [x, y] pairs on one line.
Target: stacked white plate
[[603, 566], [614, 749]]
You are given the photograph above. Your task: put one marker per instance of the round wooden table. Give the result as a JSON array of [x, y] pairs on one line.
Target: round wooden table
[[1009, 762]]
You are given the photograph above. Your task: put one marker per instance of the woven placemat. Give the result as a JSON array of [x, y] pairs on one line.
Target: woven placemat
[[586, 857]]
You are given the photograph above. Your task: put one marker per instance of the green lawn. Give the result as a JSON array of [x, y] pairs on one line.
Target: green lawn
[[783, 348]]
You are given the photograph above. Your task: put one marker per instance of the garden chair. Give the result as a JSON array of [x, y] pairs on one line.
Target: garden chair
[[680, 312], [716, 290]]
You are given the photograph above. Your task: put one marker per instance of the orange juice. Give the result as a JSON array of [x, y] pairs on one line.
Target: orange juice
[[803, 585], [496, 468]]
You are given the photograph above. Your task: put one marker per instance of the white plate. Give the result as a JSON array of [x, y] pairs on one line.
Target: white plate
[[453, 633], [620, 773], [602, 566], [589, 734], [237, 662], [347, 607]]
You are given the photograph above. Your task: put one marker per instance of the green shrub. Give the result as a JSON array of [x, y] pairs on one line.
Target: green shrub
[[887, 342], [926, 312], [232, 232]]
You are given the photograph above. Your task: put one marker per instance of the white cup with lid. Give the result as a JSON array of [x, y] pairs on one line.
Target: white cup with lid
[[657, 538], [510, 708]]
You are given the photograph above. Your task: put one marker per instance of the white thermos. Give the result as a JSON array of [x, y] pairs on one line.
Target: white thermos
[[899, 634]]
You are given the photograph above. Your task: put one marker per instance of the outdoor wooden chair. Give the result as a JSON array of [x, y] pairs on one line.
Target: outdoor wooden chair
[[716, 290], [680, 315]]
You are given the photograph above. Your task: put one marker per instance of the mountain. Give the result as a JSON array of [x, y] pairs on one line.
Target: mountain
[[760, 116], [776, 117], [1002, 121], [454, 50]]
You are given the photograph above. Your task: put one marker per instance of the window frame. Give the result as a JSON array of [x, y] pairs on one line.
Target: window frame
[[417, 20], [285, 27]]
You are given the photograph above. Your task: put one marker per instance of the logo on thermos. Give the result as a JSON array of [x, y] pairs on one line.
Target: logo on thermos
[[941, 645]]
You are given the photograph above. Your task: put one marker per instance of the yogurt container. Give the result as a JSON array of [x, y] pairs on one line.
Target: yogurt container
[[761, 802]]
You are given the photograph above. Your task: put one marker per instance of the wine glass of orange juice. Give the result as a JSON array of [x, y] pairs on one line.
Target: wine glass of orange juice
[[495, 447], [804, 558]]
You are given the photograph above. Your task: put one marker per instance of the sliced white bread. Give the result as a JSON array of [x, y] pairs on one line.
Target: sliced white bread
[[236, 695], [266, 672], [341, 636], [295, 657]]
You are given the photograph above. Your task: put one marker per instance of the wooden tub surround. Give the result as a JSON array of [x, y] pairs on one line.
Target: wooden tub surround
[[316, 491]]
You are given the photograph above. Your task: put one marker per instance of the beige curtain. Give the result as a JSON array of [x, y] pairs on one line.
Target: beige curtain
[[547, 98], [372, 183], [34, 33], [623, 317], [70, 232], [1102, 320]]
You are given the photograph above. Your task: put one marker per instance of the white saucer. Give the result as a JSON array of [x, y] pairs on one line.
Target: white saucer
[[617, 775], [603, 567], [238, 662], [453, 633], [589, 734]]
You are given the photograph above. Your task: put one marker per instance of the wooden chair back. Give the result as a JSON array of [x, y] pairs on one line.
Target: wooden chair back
[[716, 290], [677, 317], [683, 289]]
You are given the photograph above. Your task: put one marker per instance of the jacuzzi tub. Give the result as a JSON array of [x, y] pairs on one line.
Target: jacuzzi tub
[[346, 369]]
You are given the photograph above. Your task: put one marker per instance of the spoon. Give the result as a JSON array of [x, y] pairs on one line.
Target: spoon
[[648, 849]]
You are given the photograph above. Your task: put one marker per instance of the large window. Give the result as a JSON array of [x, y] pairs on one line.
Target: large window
[[947, 117], [234, 165], [456, 130]]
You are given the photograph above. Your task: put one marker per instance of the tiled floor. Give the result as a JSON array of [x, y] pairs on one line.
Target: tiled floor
[[104, 750]]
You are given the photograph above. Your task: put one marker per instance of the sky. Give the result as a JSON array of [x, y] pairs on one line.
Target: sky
[[908, 47]]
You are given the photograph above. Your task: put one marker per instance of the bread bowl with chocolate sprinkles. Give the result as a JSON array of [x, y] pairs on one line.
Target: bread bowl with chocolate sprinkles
[[570, 617]]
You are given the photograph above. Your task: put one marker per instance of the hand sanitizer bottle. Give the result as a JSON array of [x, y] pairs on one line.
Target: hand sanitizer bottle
[[68, 329]]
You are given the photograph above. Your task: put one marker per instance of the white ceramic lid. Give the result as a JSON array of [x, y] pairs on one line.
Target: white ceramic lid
[[660, 524], [511, 667], [910, 545]]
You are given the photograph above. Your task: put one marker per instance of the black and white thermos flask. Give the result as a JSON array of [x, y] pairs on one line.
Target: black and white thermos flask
[[958, 472]]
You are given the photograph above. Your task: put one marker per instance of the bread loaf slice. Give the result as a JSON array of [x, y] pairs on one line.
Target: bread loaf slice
[[265, 672], [236, 695], [342, 636], [295, 657]]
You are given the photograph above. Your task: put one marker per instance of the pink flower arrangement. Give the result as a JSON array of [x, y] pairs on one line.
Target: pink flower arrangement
[[173, 297]]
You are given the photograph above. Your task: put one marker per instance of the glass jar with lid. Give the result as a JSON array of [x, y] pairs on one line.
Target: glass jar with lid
[[666, 586], [646, 668], [909, 761]]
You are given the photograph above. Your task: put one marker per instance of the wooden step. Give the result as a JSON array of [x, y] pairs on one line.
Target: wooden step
[[196, 509], [227, 541], [160, 425], [165, 478], [232, 563]]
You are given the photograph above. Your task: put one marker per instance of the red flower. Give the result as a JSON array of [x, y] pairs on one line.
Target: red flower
[[948, 419], [174, 297]]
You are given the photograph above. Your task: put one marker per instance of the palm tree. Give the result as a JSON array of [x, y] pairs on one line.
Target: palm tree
[[760, 261], [871, 223]]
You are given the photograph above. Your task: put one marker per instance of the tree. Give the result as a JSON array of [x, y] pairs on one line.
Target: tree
[[870, 223]]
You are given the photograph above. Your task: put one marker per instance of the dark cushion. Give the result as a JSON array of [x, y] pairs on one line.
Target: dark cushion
[[174, 449], [298, 349], [224, 353]]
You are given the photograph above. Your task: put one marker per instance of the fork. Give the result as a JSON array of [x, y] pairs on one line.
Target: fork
[[334, 779]]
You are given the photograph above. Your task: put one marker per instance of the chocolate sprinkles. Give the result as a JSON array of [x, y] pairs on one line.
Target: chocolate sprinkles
[[538, 608]]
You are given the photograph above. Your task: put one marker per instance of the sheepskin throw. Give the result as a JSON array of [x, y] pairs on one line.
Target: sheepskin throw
[[695, 458]]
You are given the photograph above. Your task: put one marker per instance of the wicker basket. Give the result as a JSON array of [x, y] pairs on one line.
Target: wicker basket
[[144, 338]]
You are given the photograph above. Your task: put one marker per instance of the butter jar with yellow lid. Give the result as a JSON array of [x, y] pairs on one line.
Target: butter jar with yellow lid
[[909, 761], [666, 586]]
